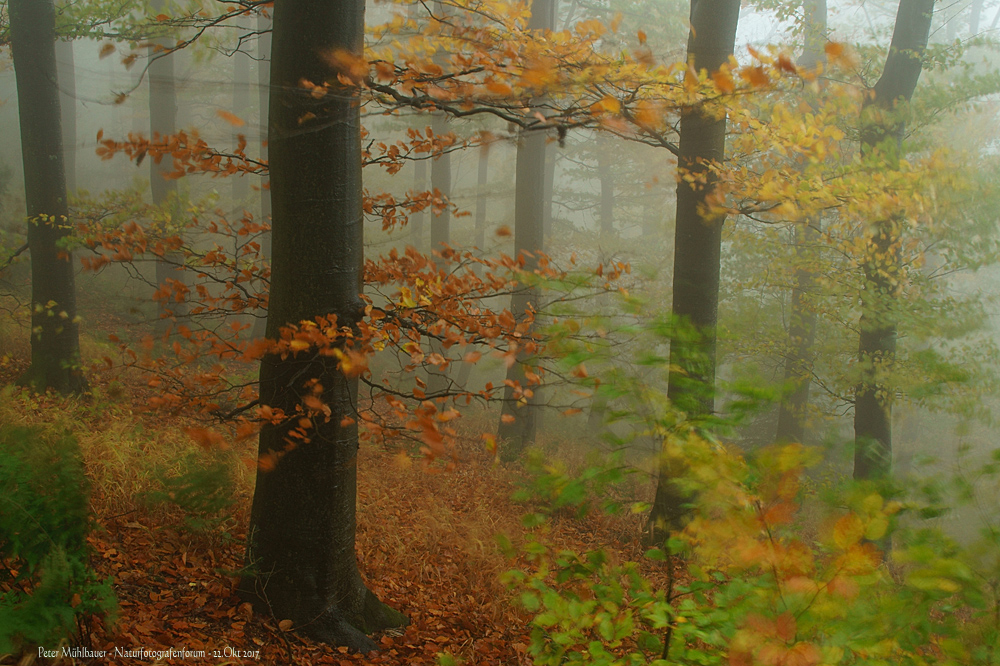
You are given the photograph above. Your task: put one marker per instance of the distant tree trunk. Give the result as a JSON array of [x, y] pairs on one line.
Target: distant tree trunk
[[438, 380], [975, 16], [163, 122], [550, 181], [241, 103], [882, 126], [697, 251], [441, 182], [481, 195], [465, 370], [802, 324], [518, 420], [55, 338], [263, 92], [606, 176], [417, 220], [301, 538], [67, 106]]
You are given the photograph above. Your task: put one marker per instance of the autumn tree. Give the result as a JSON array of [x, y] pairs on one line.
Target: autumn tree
[[883, 124], [55, 342], [300, 551], [697, 245]]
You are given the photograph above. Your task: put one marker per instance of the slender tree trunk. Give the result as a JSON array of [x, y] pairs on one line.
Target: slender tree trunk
[[263, 92], [67, 106], [241, 103], [55, 339], [550, 180], [301, 549], [518, 420], [465, 369], [163, 122], [481, 195], [883, 124], [437, 379], [418, 220], [697, 252], [605, 175], [802, 326]]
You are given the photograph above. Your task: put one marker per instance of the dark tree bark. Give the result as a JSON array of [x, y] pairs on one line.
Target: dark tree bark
[[263, 93], [55, 338], [883, 124], [163, 122], [697, 250], [802, 324], [67, 108], [518, 422], [301, 546]]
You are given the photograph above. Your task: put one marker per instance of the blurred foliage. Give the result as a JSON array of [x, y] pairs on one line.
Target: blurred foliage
[[46, 582]]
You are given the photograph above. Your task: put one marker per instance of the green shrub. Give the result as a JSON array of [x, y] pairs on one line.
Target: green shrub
[[46, 583]]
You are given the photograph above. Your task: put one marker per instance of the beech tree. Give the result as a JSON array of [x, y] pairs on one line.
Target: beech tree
[[55, 341], [301, 549], [518, 418], [883, 123], [697, 246]]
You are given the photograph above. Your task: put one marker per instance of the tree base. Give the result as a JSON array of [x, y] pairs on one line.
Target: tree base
[[335, 626], [63, 380]]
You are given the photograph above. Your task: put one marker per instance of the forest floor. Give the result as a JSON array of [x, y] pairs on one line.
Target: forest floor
[[426, 545]]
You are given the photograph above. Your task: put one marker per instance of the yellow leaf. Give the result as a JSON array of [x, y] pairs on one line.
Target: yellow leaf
[[848, 531]]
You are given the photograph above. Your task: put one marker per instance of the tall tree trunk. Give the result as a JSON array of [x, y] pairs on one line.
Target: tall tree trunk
[[241, 103], [606, 176], [697, 251], [163, 122], [441, 182], [301, 547], [465, 370], [418, 220], [550, 182], [882, 126], [263, 92], [518, 420], [55, 338], [802, 324], [481, 195], [67, 106]]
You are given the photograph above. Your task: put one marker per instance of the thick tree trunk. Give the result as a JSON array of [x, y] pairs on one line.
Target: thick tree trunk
[[697, 250], [301, 546], [802, 325], [518, 421], [67, 108], [883, 123], [163, 122], [263, 93], [55, 338]]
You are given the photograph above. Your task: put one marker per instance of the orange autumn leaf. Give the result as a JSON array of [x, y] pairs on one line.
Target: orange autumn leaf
[[508, 418], [106, 50], [724, 81], [230, 118]]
